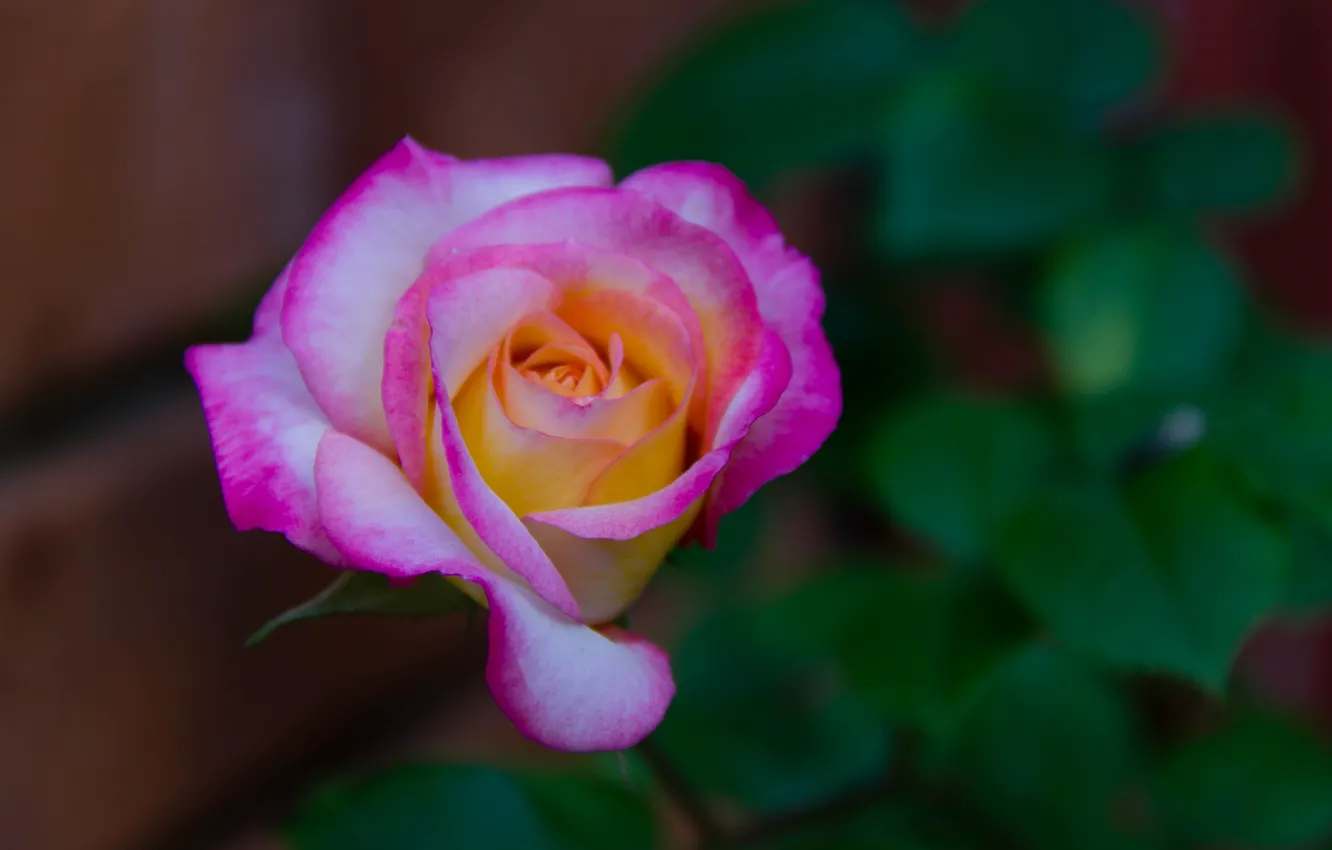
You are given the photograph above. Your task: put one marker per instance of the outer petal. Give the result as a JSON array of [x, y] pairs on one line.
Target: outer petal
[[791, 302], [562, 684], [367, 250], [607, 553], [699, 262], [461, 319], [264, 426]]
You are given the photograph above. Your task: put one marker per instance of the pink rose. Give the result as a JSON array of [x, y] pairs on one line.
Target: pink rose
[[519, 375]]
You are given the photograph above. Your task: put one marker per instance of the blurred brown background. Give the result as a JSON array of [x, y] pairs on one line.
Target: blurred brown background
[[159, 158]]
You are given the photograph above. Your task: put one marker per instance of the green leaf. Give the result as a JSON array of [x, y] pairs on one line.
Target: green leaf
[[1048, 749], [426, 807], [1170, 575], [973, 171], [793, 86], [1086, 56], [915, 647], [1274, 424], [762, 728], [1309, 591], [1145, 308], [357, 592], [1275, 421], [1256, 782], [957, 470], [1219, 163]]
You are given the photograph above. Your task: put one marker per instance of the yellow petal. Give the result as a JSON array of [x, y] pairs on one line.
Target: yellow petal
[[606, 576], [654, 340], [646, 466], [529, 470]]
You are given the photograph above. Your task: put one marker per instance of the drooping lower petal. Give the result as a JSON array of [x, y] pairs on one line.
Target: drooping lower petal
[[563, 684], [264, 427]]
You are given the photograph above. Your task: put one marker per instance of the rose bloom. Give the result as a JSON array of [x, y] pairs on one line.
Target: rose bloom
[[527, 378]]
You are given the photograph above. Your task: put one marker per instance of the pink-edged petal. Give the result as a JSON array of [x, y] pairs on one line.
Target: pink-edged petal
[[608, 552], [377, 520], [791, 301], [369, 248], [569, 686], [528, 469], [407, 393], [763, 389], [483, 305], [264, 428], [456, 325], [469, 317], [563, 684], [699, 262], [574, 269]]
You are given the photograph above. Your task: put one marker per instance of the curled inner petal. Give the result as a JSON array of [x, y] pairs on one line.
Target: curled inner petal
[[583, 404], [528, 469]]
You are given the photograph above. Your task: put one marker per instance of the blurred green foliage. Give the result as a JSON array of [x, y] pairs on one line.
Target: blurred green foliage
[[1018, 570], [428, 807]]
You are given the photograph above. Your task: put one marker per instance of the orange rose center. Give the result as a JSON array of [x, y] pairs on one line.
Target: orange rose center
[[576, 371]]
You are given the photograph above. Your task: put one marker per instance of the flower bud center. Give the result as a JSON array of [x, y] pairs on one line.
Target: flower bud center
[[576, 371]]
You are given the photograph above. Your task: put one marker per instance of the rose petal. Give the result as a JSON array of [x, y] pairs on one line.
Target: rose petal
[[486, 303], [371, 245], [537, 330], [407, 392], [264, 428], [620, 382], [698, 261], [591, 545], [599, 289], [606, 576], [562, 684], [460, 318], [647, 466], [791, 302], [624, 419], [653, 339], [529, 470]]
